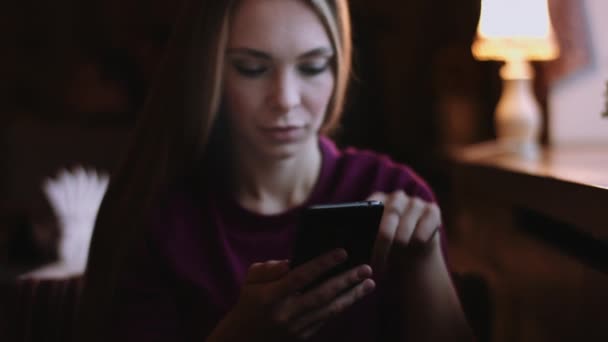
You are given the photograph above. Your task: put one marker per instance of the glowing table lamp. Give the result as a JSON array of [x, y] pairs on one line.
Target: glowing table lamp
[[516, 31]]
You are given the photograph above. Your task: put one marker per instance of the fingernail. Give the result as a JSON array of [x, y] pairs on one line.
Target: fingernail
[[364, 272], [432, 235], [369, 286]]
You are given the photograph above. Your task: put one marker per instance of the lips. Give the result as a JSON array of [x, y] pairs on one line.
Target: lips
[[284, 133]]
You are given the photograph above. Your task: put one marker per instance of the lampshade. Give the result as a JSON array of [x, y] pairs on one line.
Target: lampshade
[[515, 30]]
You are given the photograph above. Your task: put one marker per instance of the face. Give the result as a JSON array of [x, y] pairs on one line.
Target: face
[[278, 77]]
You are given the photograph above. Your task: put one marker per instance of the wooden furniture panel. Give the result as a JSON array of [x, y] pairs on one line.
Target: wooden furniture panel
[[536, 231]]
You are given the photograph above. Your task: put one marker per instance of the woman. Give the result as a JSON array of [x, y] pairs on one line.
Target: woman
[[230, 150]]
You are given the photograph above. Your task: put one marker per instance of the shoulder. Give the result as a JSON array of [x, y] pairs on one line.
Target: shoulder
[[369, 171]]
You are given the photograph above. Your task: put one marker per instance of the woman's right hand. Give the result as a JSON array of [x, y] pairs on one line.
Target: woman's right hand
[[271, 307]]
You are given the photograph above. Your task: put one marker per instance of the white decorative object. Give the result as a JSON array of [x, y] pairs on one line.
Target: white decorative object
[[75, 198], [577, 100]]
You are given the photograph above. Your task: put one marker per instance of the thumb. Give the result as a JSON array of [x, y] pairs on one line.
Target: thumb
[[264, 272]]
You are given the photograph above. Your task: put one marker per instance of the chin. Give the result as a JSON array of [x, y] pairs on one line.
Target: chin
[[271, 149], [284, 151]]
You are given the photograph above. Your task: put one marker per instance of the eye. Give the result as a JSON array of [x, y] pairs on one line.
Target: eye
[[314, 68], [250, 70]]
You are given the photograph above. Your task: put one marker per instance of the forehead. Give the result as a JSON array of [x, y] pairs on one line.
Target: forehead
[[277, 26]]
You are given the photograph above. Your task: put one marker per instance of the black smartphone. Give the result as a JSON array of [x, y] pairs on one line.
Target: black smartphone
[[322, 228]]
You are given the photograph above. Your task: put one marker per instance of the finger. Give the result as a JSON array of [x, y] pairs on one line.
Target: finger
[[305, 274], [263, 272], [311, 331], [409, 221], [393, 208], [377, 196], [338, 305], [328, 291], [428, 225]]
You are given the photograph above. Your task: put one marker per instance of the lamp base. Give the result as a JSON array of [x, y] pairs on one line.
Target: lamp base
[[518, 114], [525, 149]]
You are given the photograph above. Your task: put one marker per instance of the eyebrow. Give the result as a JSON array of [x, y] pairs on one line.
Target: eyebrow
[[322, 51]]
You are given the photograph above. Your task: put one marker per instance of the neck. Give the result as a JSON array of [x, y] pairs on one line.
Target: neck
[[271, 186]]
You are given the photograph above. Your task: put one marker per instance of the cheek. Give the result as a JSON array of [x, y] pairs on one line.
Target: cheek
[[240, 98], [317, 98]]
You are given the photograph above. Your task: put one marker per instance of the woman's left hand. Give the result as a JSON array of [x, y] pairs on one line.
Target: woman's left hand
[[408, 229], [409, 246]]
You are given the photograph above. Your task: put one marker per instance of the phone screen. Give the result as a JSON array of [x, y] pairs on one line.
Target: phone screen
[[352, 226]]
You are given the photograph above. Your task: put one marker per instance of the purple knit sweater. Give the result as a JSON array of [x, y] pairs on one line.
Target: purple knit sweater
[[185, 276]]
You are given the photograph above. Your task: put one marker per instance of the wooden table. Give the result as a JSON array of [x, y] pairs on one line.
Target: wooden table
[[537, 231]]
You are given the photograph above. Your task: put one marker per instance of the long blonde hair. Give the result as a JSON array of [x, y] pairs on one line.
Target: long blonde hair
[[336, 18], [172, 134]]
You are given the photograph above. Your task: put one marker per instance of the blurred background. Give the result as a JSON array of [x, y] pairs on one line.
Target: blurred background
[[74, 75]]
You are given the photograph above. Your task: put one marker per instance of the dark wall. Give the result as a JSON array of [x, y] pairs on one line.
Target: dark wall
[[418, 86]]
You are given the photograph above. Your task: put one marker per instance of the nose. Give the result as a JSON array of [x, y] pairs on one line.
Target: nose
[[286, 92]]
